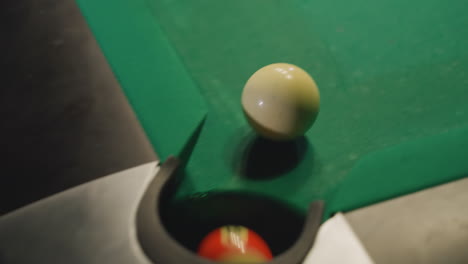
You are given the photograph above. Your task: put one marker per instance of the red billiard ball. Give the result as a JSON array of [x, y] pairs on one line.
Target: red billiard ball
[[234, 244]]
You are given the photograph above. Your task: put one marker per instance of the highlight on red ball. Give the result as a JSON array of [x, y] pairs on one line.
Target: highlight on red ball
[[234, 244]]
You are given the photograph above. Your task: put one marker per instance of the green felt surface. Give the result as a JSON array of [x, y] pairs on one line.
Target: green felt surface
[[390, 72], [149, 70], [414, 164]]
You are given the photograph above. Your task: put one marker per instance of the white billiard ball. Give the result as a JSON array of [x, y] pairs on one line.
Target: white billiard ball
[[281, 101]]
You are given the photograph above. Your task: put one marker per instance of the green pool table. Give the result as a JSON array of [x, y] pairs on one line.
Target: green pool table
[[393, 78]]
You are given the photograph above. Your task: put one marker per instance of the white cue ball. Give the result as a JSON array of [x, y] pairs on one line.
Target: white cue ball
[[281, 101]]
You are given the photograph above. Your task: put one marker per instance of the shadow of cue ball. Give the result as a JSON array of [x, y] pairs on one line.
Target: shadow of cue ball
[[265, 159]]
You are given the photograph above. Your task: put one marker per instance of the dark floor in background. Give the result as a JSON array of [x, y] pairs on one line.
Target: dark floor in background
[[65, 120]]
